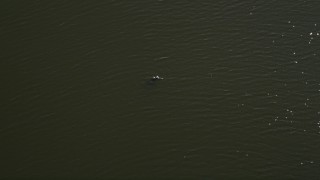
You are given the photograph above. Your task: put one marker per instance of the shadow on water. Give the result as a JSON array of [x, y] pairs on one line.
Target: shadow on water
[[152, 82]]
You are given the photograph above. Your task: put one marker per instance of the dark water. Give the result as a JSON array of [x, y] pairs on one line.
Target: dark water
[[240, 98]]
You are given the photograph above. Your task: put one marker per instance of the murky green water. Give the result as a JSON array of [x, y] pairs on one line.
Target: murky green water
[[239, 99]]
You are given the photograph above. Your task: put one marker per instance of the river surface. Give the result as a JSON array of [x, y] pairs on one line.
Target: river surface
[[239, 99]]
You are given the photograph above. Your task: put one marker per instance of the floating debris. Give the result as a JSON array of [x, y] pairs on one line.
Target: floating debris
[[156, 78]]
